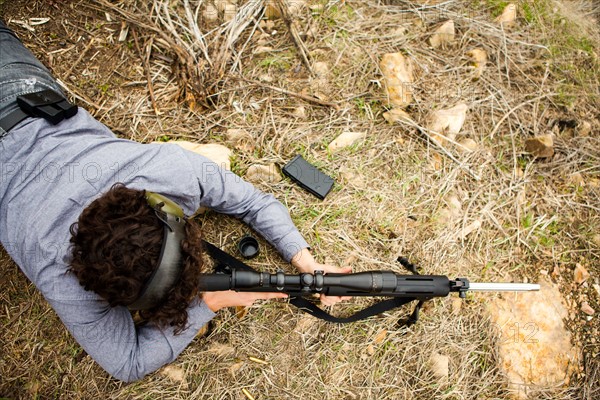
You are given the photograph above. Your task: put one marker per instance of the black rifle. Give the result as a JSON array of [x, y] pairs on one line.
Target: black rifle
[[235, 275]]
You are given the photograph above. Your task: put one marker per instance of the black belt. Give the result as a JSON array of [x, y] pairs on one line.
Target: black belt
[[47, 104]]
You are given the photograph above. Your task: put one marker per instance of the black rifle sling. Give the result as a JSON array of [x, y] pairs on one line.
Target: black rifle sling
[[225, 263]]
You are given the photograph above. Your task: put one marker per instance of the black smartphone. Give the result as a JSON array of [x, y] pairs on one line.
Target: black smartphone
[[308, 176]]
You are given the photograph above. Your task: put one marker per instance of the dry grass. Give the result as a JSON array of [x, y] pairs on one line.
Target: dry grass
[[396, 193]]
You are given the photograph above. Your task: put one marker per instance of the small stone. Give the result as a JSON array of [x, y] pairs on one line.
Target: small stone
[[263, 173], [468, 145], [265, 78], [580, 274], [584, 128], [596, 288], [586, 308], [176, 374], [596, 239], [439, 365], [263, 49], [320, 68], [443, 35], [447, 122], [299, 112], [508, 16], [478, 59], [577, 179], [397, 70], [540, 146], [346, 139], [241, 139]]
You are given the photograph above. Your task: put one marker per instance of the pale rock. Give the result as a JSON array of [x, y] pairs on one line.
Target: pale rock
[[398, 73], [535, 346], [577, 179], [217, 153], [468, 145], [443, 35], [478, 60], [346, 139], [399, 31], [580, 274], [586, 308], [541, 146], [446, 123], [265, 78], [584, 128], [210, 13], [263, 173], [321, 69], [299, 112], [439, 365], [396, 115], [508, 16], [174, 373], [596, 288], [262, 49], [240, 139], [596, 239], [353, 178]]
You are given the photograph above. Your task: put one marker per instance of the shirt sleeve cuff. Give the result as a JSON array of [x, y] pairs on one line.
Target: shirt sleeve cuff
[[291, 244]]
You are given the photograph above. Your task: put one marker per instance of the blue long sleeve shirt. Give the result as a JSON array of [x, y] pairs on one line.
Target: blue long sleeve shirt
[[49, 174]]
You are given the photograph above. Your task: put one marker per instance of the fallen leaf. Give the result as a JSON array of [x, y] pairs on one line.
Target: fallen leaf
[[467, 230], [346, 139], [396, 115], [541, 146], [241, 139], [241, 311]]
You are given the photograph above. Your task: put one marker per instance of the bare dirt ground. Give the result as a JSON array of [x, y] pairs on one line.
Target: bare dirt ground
[[494, 213]]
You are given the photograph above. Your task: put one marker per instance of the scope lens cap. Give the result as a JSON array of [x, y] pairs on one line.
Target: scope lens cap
[[248, 246]]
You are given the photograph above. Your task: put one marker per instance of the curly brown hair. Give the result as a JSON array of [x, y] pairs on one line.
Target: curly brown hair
[[115, 247]]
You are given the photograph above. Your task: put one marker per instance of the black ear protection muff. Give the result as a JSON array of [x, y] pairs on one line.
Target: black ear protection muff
[[169, 266]]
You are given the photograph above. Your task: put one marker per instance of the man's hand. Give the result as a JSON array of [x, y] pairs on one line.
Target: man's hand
[[229, 298], [305, 262]]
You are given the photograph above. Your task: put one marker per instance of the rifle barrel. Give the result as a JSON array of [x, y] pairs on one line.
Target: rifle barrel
[[503, 287]]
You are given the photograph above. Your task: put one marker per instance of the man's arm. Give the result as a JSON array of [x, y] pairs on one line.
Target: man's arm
[[126, 352]]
